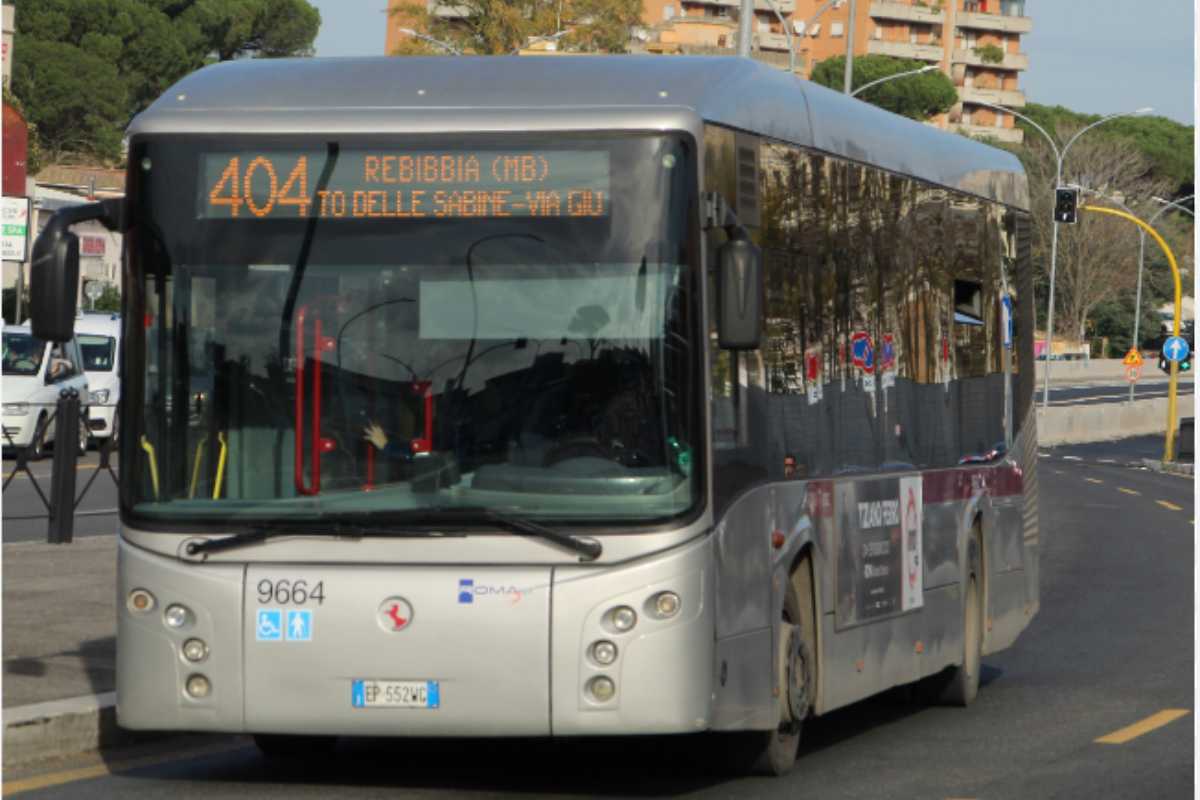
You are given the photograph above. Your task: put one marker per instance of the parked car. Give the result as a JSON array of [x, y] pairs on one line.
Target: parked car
[[100, 342], [32, 374]]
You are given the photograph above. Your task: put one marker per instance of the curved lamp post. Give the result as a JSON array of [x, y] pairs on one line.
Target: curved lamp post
[[1060, 156], [877, 81], [436, 42]]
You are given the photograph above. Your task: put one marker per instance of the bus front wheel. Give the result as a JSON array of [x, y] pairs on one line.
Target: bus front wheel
[[774, 752], [962, 684]]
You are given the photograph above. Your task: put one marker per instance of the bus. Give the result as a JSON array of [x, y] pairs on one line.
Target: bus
[[572, 397]]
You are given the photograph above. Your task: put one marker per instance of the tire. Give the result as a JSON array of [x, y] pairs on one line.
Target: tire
[[84, 435], [773, 753], [278, 746], [37, 445], [962, 683]]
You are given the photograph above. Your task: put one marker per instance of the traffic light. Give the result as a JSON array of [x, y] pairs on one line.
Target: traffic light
[[1066, 202], [1185, 364]]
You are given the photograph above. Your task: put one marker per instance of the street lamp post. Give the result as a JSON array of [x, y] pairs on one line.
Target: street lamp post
[[437, 42], [1137, 303], [1060, 156], [865, 86]]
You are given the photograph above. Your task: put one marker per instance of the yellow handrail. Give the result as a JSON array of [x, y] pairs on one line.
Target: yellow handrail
[[220, 465], [200, 445], [149, 448]]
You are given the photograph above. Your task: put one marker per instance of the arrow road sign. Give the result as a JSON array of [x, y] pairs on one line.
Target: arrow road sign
[[1176, 348]]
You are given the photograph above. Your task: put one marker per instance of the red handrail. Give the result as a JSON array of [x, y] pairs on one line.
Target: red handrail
[[318, 444]]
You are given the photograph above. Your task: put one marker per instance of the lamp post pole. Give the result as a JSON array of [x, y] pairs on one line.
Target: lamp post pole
[[876, 82], [849, 79], [1137, 304], [1060, 156]]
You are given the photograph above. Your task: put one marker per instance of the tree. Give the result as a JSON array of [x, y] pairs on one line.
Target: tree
[[917, 97], [1168, 144], [500, 27], [84, 68]]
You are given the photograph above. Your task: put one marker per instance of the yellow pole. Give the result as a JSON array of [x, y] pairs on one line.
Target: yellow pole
[[149, 448], [1169, 449], [220, 465]]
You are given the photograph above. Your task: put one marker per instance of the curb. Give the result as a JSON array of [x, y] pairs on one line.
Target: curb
[[1170, 467], [61, 728]]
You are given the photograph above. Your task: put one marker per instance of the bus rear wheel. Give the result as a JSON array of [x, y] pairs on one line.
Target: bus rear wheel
[[290, 747]]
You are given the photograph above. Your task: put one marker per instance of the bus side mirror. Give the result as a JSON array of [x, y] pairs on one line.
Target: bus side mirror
[[740, 293], [54, 270]]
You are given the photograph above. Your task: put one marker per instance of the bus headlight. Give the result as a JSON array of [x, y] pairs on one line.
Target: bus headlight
[[198, 687], [623, 618], [16, 409], [100, 397], [665, 604], [140, 601], [602, 688], [604, 653], [176, 616], [195, 650]]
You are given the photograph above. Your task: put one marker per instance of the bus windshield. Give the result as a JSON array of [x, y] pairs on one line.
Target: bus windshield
[[401, 327]]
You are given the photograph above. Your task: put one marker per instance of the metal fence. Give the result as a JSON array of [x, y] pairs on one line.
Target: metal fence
[[68, 418]]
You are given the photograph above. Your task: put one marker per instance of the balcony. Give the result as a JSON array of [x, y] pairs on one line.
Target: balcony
[[771, 41], [1016, 61], [785, 6], [921, 52], [993, 22], [997, 97], [909, 13], [1008, 135]]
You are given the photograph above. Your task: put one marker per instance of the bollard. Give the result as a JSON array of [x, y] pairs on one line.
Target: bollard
[[62, 475]]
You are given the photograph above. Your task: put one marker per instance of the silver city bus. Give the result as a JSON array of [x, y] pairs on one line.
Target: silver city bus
[[559, 397]]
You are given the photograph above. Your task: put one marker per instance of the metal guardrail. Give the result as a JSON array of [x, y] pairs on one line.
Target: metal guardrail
[[66, 415]]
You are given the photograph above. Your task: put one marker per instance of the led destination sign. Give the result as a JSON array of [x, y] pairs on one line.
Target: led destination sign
[[376, 184]]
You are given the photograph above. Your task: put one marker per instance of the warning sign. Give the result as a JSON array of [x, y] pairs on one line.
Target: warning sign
[[1133, 372], [1133, 358]]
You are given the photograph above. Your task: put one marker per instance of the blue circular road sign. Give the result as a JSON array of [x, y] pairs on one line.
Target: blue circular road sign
[[1175, 348]]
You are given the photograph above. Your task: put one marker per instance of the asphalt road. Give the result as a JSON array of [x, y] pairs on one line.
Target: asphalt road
[[1111, 652], [1115, 392]]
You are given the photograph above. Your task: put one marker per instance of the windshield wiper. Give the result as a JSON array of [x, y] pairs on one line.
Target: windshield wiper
[[260, 533], [590, 549]]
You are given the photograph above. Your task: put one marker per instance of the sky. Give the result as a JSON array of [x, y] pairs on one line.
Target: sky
[[1093, 56]]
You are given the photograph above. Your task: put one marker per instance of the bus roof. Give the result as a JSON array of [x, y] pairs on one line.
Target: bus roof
[[463, 93]]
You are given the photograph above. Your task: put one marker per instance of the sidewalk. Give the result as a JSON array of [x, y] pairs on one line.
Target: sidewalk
[[59, 646]]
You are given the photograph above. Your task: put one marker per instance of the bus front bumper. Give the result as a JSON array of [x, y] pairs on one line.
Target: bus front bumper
[[395, 650]]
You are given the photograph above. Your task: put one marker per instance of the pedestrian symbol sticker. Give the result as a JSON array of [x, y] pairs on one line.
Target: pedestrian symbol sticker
[[268, 626], [299, 625]]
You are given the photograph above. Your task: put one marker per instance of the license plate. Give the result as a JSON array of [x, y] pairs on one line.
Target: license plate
[[394, 694]]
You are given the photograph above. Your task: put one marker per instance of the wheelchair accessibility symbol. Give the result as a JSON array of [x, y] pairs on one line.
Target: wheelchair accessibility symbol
[[268, 626]]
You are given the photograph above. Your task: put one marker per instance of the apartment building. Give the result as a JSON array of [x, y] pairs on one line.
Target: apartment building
[[975, 42]]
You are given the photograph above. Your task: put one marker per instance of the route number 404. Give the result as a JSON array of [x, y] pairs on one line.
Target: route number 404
[[284, 591], [234, 189]]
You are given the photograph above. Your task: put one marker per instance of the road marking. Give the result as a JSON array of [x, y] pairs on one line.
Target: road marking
[[1168, 505], [1145, 726], [1072, 458], [1093, 480], [1128, 491], [100, 770], [1108, 461]]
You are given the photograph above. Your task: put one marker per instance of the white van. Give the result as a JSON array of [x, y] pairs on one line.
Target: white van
[[99, 338], [32, 374]]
